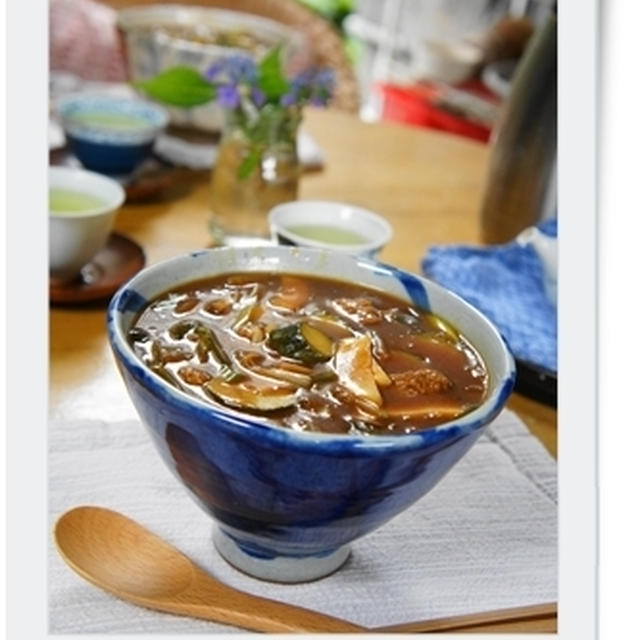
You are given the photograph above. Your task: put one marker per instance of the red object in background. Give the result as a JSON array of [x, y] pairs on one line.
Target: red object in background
[[417, 105]]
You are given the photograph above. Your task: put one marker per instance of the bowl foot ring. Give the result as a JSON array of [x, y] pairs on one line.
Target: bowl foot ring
[[286, 569]]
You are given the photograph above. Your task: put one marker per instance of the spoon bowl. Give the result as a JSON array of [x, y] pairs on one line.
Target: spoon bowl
[[122, 557], [109, 549]]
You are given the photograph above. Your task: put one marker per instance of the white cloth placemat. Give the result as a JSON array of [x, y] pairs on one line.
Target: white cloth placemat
[[484, 538]]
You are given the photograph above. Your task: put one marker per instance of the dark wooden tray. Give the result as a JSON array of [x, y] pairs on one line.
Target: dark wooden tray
[[536, 382]]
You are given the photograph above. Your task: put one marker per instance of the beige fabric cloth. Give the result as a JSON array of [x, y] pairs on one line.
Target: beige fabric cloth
[[484, 538]]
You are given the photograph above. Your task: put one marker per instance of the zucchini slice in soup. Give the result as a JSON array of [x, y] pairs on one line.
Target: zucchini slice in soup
[[301, 341]]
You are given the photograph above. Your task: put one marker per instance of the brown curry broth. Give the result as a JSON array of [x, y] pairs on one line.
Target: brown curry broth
[[318, 408]]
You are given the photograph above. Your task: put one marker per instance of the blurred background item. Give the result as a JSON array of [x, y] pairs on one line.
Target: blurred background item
[[507, 39], [521, 183], [73, 47], [83, 40], [444, 64], [158, 37]]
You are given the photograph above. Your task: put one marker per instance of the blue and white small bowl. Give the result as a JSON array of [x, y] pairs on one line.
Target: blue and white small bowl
[[108, 133], [287, 503]]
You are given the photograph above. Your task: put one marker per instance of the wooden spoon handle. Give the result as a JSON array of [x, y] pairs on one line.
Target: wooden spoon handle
[[224, 604], [267, 616], [542, 616]]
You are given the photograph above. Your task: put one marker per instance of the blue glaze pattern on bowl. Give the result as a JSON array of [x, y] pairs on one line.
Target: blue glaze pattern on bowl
[[111, 159], [116, 147], [282, 496]]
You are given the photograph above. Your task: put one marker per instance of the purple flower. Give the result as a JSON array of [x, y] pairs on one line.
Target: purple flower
[[258, 97], [228, 96], [289, 99], [325, 79], [322, 90], [238, 79], [215, 68], [304, 78], [312, 85], [318, 100], [241, 69]]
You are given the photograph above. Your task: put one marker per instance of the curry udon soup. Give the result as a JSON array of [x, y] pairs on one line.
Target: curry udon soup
[[310, 354]]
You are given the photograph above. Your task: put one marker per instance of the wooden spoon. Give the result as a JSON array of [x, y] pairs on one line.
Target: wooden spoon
[[122, 557], [537, 617]]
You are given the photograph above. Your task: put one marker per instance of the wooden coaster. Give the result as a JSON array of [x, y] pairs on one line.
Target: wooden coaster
[[112, 266]]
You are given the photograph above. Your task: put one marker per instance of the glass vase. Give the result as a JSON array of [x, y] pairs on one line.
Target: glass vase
[[257, 168]]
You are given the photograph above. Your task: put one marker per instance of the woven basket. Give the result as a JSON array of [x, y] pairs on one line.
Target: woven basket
[[324, 40]]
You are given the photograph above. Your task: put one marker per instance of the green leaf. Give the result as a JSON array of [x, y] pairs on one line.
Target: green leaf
[[271, 78], [178, 86], [249, 163]]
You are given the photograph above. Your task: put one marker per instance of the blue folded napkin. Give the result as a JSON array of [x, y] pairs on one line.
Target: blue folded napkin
[[505, 282]]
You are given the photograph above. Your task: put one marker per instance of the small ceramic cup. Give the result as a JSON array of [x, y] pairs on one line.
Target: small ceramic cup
[[329, 225], [108, 133], [82, 210]]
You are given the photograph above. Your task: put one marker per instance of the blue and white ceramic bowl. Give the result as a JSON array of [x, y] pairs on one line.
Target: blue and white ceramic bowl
[[288, 503], [108, 133]]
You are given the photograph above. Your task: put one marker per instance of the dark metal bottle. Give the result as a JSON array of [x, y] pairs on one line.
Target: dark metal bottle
[[521, 183]]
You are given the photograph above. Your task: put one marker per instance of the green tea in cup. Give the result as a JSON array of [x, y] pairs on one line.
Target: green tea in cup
[[68, 202], [110, 120], [327, 233]]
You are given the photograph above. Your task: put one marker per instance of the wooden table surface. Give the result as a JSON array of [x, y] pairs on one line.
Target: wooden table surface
[[427, 184]]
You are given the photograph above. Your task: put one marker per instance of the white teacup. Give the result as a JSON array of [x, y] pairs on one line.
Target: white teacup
[[324, 224], [82, 210]]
